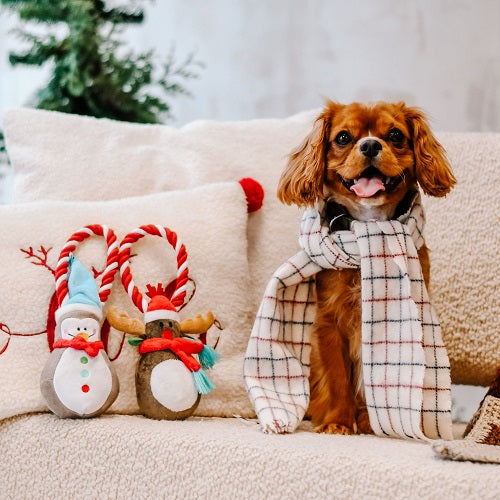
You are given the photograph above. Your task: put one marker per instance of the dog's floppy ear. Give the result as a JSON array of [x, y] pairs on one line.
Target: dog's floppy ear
[[431, 166], [302, 181]]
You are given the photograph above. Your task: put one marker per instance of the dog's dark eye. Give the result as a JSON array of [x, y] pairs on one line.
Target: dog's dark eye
[[395, 135], [343, 138]]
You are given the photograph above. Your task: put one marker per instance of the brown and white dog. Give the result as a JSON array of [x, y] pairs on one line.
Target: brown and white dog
[[365, 158]]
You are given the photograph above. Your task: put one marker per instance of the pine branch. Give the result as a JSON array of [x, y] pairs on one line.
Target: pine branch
[[89, 77], [39, 10], [39, 53], [118, 16]]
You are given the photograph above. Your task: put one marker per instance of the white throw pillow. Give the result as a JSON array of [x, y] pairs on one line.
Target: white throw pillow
[[211, 221], [58, 156]]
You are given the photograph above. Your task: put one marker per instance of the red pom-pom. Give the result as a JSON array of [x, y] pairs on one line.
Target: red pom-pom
[[254, 193]]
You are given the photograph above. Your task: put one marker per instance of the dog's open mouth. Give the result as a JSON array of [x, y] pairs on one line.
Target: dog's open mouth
[[371, 182]]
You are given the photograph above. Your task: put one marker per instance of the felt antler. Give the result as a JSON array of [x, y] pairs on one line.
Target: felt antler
[[123, 322], [208, 356], [198, 324]]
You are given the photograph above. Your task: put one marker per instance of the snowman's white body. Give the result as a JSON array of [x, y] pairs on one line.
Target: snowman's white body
[[82, 383], [172, 385]]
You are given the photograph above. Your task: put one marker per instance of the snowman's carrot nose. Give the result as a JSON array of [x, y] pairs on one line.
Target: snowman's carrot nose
[[83, 335]]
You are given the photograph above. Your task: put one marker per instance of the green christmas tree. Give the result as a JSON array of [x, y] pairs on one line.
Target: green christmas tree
[[89, 76]]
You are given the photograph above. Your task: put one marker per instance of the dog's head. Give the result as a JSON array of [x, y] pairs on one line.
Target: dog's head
[[366, 157]]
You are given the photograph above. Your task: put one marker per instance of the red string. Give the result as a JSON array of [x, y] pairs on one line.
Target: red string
[[120, 347], [5, 329]]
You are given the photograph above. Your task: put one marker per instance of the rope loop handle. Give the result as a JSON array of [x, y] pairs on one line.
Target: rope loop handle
[[108, 275], [182, 278]]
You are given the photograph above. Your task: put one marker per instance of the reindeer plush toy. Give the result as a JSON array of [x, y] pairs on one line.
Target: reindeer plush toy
[[169, 378]]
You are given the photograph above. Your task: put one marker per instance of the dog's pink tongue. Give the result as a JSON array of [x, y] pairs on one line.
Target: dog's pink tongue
[[366, 187]]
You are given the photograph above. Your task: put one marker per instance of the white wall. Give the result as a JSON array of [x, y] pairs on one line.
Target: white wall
[[272, 58]]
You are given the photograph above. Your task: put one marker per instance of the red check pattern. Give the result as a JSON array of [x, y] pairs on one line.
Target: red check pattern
[[405, 364]]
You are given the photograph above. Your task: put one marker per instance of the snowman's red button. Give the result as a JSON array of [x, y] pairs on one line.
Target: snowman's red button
[[85, 388]]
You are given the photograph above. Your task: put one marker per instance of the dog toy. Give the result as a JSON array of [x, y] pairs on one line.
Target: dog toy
[[78, 379], [481, 439], [170, 373]]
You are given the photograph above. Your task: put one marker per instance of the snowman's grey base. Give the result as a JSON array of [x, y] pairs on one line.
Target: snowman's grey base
[[50, 395]]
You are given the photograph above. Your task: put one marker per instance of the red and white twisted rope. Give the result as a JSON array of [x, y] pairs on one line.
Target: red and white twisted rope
[[182, 267], [61, 273]]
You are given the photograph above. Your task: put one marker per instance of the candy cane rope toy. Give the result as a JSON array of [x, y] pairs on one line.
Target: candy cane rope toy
[[108, 275], [182, 268]]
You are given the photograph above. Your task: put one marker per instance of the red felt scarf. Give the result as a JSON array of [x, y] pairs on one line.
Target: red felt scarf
[[184, 348], [91, 348]]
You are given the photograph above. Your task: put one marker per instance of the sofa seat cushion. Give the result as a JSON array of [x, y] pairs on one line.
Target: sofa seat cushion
[[132, 457]]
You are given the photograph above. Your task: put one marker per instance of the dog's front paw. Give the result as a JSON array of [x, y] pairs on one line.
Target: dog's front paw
[[334, 429]]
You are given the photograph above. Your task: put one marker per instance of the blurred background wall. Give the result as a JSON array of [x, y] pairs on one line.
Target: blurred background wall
[[273, 58]]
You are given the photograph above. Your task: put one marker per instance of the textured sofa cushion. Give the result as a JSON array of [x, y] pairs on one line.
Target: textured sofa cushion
[[210, 220], [136, 457], [462, 234], [117, 159]]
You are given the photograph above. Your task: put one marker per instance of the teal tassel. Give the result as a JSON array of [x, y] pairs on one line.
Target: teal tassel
[[203, 384], [208, 357]]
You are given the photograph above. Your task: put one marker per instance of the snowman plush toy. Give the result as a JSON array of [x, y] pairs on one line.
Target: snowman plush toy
[[78, 379]]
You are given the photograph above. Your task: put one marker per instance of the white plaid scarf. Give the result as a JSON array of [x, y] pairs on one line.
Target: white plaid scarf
[[406, 370]]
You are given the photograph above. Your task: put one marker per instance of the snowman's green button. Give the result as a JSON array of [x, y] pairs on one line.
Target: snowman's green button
[[84, 360]]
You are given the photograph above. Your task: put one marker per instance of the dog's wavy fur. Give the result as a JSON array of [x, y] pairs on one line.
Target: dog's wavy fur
[[324, 167]]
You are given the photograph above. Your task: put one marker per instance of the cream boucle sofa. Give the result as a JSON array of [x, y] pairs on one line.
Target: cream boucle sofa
[[221, 452]]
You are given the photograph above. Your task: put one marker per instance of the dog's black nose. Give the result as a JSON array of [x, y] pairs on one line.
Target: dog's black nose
[[370, 148]]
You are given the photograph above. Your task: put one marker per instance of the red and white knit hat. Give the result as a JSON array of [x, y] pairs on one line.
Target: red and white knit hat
[[160, 308]]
